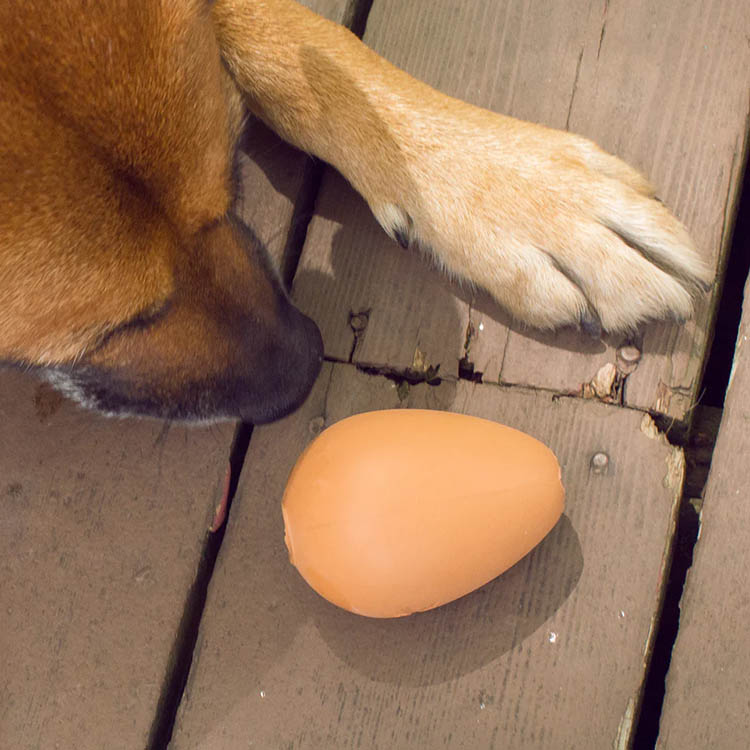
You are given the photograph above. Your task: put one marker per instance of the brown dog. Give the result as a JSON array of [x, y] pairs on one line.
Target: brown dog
[[126, 277]]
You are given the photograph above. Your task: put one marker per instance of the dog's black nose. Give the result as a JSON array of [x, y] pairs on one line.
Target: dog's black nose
[[291, 364]]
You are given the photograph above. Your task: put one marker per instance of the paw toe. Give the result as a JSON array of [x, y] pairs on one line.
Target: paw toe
[[648, 228]]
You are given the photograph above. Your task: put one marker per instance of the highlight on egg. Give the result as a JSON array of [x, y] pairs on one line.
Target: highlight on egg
[[392, 512]]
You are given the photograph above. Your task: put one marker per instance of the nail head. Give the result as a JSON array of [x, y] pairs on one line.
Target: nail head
[[599, 463]]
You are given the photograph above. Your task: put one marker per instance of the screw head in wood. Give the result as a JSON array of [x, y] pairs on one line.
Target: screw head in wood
[[599, 463], [628, 357]]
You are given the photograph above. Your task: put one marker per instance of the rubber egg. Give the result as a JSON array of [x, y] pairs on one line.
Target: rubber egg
[[392, 512]]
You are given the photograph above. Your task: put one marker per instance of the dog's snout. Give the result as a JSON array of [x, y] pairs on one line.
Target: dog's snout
[[229, 343]]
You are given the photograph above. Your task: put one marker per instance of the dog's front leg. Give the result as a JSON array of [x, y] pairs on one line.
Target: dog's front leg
[[557, 230]]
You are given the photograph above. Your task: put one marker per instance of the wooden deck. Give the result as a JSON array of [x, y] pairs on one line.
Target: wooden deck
[[103, 523]]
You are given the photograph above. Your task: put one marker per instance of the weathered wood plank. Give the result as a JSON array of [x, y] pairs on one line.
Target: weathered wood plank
[[706, 703], [549, 655], [101, 527], [272, 175], [272, 171], [662, 85]]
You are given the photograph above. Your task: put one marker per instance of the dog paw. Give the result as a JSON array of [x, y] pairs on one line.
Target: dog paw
[[557, 230]]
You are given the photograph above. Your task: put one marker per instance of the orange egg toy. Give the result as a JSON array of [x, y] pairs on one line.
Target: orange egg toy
[[392, 512]]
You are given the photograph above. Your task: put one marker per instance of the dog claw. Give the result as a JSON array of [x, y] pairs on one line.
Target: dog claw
[[591, 324], [397, 223], [401, 237]]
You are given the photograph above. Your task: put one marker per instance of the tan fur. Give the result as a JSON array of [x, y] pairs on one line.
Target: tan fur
[[505, 204], [82, 251], [118, 248]]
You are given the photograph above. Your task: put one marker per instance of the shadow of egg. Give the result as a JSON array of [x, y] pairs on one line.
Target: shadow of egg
[[442, 644]]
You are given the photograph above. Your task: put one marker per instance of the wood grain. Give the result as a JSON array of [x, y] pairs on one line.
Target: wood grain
[[706, 704], [271, 177], [550, 654], [662, 85], [101, 527]]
